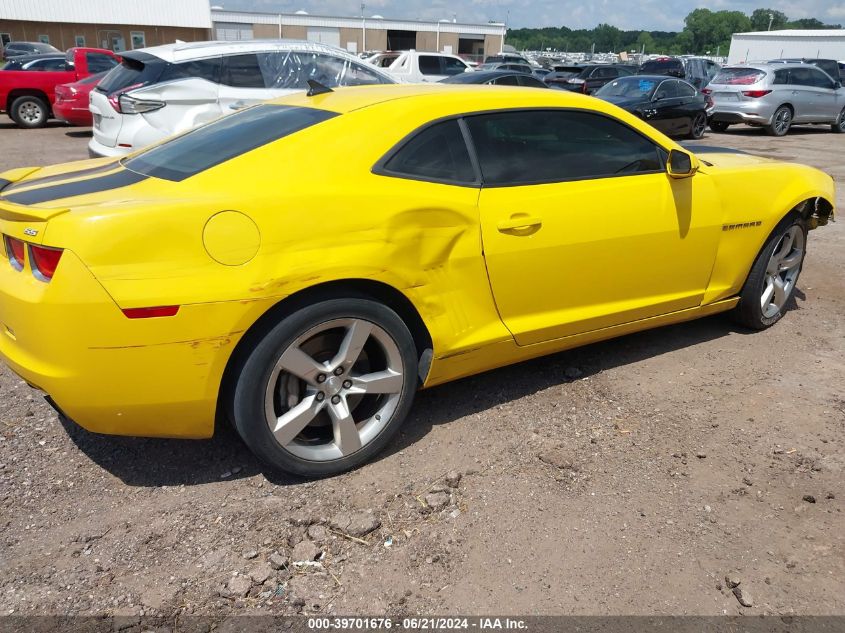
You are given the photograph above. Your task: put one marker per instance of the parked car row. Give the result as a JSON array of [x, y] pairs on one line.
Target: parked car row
[[156, 92]]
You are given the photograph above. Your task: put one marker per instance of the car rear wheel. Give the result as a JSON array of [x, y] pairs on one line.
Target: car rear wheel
[[29, 112], [326, 389], [773, 276], [839, 126], [719, 126], [698, 126], [781, 122]]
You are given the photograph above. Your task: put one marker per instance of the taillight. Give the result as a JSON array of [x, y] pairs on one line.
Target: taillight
[[756, 93], [131, 105], [706, 91], [15, 250], [150, 313], [114, 98], [44, 261]]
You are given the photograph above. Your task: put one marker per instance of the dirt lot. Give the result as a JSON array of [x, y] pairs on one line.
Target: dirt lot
[[628, 477]]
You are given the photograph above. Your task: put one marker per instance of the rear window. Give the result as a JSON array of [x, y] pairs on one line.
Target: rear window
[[738, 76], [132, 72], [223, 139], [663, 67]]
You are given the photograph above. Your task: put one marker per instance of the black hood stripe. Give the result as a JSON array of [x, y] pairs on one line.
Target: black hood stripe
[[117, 180], [91, 171]]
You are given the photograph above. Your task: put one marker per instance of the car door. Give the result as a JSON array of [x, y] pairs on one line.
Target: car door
[[664, 110], [802, 97], [582, 228], [689, 105], [241, 82], [824, 104], [431, 68]]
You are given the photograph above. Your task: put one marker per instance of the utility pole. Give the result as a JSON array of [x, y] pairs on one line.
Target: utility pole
[[363, 30], [771, 19]]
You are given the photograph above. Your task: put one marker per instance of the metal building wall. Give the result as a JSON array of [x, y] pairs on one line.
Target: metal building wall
[[775, 44], [187, 13]]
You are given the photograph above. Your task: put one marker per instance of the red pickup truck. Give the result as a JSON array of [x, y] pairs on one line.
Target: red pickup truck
[[28, 84]]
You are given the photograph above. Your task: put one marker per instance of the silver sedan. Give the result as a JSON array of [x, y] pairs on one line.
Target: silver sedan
[[776, 96]]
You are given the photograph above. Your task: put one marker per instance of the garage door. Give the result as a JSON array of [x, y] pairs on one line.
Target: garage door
[[324, 35]]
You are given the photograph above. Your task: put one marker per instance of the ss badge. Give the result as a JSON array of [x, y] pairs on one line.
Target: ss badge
[[30, 232]]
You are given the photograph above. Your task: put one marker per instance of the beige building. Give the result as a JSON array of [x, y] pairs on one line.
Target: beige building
[[357, 34], [114, 24]]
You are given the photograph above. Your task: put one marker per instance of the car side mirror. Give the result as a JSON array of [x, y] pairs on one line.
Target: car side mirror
[[837, 85], [681, 164], [659, 96]]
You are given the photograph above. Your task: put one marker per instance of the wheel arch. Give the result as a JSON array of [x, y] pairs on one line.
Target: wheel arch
[[27, 92], [336, 289]]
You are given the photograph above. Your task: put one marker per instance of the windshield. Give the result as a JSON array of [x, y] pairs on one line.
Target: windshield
[[663, 67], [628, 87], [221, 140]]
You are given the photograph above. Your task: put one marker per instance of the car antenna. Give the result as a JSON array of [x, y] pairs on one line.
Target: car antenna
[[316, 88]]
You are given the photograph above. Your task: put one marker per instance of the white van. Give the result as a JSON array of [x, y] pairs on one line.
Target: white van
[[163, 90]]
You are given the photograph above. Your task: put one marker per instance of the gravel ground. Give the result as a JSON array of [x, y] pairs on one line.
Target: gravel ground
[[629, 477]]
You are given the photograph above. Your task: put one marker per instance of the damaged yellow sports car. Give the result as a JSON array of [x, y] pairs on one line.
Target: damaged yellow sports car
[[303, 266]]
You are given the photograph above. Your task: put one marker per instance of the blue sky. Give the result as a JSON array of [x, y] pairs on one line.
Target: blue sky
[[626, 14]]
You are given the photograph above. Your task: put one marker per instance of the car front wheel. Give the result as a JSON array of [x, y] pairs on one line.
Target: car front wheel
[[326, 389], [773, 276]]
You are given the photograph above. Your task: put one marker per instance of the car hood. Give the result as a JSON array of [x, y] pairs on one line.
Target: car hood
[[725, 156]]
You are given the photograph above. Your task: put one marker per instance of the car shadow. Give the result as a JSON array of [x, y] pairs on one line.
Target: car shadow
[[80, 133], [150, 462], [797, 129], [11, 125]]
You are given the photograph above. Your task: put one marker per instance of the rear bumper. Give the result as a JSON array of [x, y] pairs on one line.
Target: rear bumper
[[155, 377], [80, 117], [98, 150], [753, 112]]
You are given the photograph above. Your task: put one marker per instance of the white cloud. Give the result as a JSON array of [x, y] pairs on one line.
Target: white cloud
[[665, 15]]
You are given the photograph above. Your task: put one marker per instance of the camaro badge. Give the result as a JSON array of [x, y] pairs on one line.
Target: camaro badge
[[741, 225], [30, 232]]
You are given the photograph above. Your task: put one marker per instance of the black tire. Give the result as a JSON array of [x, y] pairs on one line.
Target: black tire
[[838, 127], [719, 126], [29, 112], [698, 125], [247, 399], [749, 310], [781, 122]]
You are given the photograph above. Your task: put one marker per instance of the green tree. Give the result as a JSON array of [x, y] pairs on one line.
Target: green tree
[[645, 42], [760, 19], [811, 23]]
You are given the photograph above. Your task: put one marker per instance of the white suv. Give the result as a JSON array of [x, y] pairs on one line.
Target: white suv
[[163, 90]]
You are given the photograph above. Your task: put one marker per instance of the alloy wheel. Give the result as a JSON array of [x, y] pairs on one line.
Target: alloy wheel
[[782, 271], [334, 389], [783, 118], [699, 124]]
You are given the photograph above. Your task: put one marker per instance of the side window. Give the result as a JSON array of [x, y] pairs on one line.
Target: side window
[[438, 153], [291, 70], [529, 147], [819, 79], [50, 65], [800, 77], [606, 73], [781, 77], [98, 63], [666, 90], [208, 69], [507, 80], [430, 65], [684, 89], [530, 82], [242, 71], [452, 66]]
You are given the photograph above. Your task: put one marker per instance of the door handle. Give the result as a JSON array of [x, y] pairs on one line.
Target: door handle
[[522, 222]]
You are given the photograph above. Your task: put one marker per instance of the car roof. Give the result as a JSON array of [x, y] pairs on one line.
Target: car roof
[[480, 76], [769, 66], [23, 59], [463, 97], [185, 51]]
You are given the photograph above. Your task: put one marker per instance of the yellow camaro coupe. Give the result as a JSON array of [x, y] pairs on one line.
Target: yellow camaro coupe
[[303, 266]]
